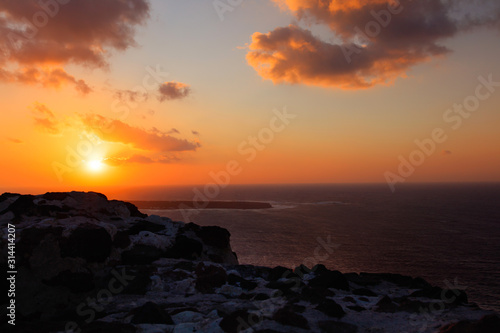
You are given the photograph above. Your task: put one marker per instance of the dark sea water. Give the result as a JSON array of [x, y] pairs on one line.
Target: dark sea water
[[447, 234]]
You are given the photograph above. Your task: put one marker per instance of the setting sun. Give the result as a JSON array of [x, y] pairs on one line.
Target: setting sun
[[95, 165]]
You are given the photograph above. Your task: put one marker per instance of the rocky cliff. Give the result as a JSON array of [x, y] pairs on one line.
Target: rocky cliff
[[84, 263]]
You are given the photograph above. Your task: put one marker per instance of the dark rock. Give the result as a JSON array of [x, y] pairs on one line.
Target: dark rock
[[412, 306], [329, 279], [356, 308], [280, 272], [319, 269], [331, 308], [134, 212], [236, 280], [183, 309], [285, 286], [250, 271], [419, 283], [364, 292], [76, 282], [24, 205], [185, 248], [302, 270], [150, 313], [141, 254], [100, 326], [30, 238], [450, 297], [315, 295], [209, 277], [261, 297], [185, 265], [141, 279], [367, 279], [145, 226], [88, 241], [216, 258], [487, 324], [28, 325], [337, 327], [349, 299], [238, 321], [386, 305], [287, 317], [214, 236], [49, 210], [246, 296], [6, 196], [296, 307], [60, 196], [121, 240]]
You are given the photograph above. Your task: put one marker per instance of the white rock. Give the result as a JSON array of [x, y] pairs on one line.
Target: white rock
[[187, 317], [229, 290], [153, 328], [152, 239], [186, 328]]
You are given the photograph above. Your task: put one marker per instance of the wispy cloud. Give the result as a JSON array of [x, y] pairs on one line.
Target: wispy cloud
[[154, 140], [14, 140], [45, 120], [141, 159]]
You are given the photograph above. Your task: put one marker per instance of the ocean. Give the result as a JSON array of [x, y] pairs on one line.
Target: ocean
[[448, 234]]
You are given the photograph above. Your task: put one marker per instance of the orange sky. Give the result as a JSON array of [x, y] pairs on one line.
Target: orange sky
[[279, 91]]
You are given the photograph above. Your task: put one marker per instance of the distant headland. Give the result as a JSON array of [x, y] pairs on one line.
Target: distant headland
[[205, 205]]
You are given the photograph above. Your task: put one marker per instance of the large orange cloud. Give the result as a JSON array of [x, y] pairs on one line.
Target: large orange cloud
[[293, 55], [49, 34], [378, 40]]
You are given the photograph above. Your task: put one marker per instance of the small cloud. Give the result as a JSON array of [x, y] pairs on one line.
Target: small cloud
[[173, 131], [45, 120], [131, 96], [173, 90], [13, 140], [195, 133], [140, 159]]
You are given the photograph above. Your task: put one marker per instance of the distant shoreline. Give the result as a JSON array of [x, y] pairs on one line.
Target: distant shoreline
[[201, 205]]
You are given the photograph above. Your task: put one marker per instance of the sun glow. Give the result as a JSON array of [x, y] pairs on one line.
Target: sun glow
[[95, 165]]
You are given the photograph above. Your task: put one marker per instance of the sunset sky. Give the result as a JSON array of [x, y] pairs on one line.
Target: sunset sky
[[137, 92]]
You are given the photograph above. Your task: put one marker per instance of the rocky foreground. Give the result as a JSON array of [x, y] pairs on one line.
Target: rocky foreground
[[88, 264]]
